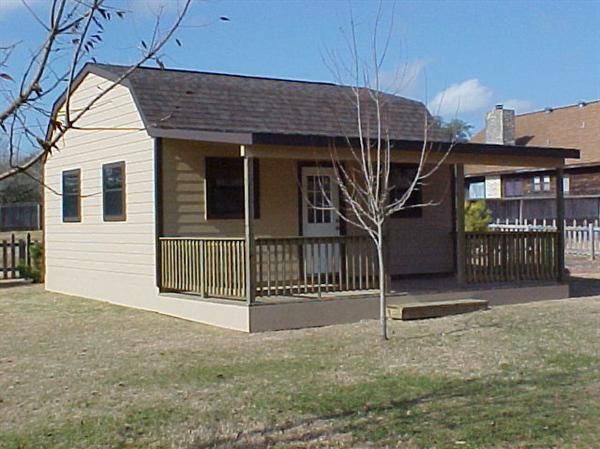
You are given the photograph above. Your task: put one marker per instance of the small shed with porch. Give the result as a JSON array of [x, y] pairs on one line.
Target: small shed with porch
[[192, 194]]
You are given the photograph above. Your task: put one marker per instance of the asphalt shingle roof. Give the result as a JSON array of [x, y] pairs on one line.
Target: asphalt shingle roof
[[200, 101]]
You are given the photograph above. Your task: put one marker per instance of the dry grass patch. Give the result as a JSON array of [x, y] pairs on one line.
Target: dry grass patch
[[84, 374]]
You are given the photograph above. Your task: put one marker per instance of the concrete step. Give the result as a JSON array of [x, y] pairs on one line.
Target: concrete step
[[423, 310]]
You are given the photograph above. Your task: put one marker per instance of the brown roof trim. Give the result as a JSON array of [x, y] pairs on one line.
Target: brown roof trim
[[416, 145], [567, 168], [205, 136]]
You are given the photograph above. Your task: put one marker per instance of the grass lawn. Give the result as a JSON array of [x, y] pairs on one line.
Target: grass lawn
[[83, 374]]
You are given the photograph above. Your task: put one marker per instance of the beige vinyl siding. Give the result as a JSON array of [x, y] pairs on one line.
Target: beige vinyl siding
[[113, 261], [418, 245], [184, 211], [422, 245], [425, 244]]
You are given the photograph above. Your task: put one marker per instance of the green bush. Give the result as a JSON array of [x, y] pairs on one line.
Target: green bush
[[477, 216], [34, 272]]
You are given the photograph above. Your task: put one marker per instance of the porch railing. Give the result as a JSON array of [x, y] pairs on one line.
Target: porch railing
[[511, 256], [284, 266], [314, 265], [208, 266]]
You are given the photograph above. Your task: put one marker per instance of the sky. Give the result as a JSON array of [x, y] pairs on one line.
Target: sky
[[459, 57]]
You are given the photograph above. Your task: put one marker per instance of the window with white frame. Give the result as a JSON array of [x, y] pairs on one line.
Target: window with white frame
[[476, 190], [541, 183]]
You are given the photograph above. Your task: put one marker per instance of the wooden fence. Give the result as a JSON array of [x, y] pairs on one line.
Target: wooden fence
[[208, 266], [14, 252], [314, 265], [581, 237], [511, 256]]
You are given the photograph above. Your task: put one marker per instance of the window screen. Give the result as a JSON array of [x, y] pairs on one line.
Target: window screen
[[113, 191]]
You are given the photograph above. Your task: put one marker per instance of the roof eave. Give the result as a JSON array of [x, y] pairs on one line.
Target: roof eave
[[239, 138], [417, 145]]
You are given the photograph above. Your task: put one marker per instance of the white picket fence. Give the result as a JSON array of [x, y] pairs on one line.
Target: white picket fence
[[581, 238]]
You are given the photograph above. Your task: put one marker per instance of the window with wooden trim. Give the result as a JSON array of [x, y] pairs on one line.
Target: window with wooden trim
[[225, 188], [401, 178], [113, 191], [513, 187], [71, 196]]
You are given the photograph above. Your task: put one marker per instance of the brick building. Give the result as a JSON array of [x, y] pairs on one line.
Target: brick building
[[528, 193]]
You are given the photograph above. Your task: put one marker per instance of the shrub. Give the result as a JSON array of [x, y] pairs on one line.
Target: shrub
[[477, 216], [34, 272]]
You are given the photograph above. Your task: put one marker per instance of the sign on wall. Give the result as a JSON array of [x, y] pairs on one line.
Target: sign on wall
[[493, 187]]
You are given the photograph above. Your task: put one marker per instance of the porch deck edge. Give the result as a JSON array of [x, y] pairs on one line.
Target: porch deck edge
[[302, 314], [234, 315]]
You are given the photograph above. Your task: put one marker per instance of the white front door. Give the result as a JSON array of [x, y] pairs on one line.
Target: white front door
[[320, 191], [317, 191]]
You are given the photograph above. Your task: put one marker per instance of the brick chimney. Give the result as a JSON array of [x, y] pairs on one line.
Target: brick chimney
[[500, 126]]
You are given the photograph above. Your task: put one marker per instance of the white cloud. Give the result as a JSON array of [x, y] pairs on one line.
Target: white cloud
[[462, 98], [404, 79], [519, 106]]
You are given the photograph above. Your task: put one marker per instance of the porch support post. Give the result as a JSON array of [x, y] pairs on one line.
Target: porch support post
[[249, 254], [560, 224], [459, 203], [158, 212]]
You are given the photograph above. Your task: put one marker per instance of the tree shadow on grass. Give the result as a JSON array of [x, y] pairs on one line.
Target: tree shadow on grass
[[428, 412]]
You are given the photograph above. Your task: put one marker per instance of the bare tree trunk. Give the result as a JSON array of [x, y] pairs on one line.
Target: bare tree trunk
[[382, 283]]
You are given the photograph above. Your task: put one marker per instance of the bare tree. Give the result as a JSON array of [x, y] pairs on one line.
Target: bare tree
[[73, 29], [363, 168]]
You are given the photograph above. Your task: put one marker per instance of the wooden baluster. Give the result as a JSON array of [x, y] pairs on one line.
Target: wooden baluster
[[268, 246], [186, 265], [176, 262], [299, 264], [27, 250], [275, 268], [163, 264], [364, 272], [4, 259], [310, 251], [166, 265], [201, 268], [346, 265], [339, 257]]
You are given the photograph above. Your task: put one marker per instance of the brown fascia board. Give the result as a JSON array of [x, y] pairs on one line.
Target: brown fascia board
[[415, 145], [566, 168], [239, 138]]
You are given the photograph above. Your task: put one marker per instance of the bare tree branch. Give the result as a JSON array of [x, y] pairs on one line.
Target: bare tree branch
[[364, 171], [74, 28]]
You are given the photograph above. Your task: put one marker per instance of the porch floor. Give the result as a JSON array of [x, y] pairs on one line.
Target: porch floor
[[299, 311], [414, 290]]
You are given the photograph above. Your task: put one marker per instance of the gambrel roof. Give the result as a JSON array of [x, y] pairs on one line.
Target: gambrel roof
[[249, 110], [214, 102]]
